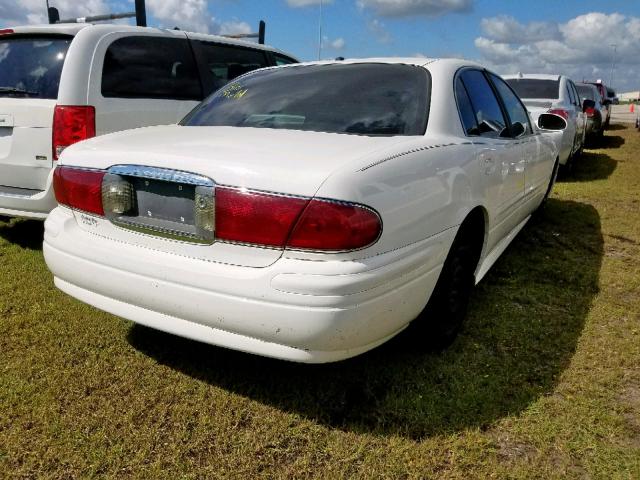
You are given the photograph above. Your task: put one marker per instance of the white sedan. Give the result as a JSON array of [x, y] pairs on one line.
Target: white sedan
[[307, 212]]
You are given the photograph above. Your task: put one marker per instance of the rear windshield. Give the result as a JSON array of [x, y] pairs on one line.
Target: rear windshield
[[532, 88], [363, 99], [30, 66], [586, 91]]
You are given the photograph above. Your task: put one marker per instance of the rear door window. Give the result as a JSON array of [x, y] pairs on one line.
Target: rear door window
[[223, 63], [488, 114], [516, 111], [467, 115], [151, 67], [30, 66]]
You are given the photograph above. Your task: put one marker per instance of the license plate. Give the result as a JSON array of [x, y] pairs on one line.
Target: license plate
[[148, 200], [165, 201]]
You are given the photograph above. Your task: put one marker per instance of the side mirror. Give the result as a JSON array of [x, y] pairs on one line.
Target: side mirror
[[551, 121], [588, 105]]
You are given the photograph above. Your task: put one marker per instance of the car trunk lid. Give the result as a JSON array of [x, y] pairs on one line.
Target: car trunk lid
[[167, 167]]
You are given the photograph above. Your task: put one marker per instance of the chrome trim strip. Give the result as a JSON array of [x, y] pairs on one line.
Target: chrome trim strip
[[164, 174]]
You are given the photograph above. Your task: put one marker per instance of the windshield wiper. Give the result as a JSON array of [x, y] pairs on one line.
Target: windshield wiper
[[17, 91]]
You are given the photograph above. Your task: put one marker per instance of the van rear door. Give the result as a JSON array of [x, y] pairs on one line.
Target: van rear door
[[30, 69]]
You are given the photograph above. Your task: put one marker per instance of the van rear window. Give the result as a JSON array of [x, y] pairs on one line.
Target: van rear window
[[30, 66], [151, 67]]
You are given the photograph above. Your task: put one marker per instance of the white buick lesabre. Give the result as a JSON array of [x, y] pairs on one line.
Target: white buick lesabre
[[307, 212]]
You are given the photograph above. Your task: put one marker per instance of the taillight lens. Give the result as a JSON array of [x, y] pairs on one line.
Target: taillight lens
[[72, 125], [6, 31], [256, 218], [79, 189], [327, 225], [560, 111], [289, 222]]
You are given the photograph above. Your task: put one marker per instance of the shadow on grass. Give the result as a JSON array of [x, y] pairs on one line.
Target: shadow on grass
[[590, 166], [524, 323], [24, 233], [610, 141]]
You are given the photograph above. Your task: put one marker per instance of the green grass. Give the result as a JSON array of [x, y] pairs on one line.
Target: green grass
[[544, 382]]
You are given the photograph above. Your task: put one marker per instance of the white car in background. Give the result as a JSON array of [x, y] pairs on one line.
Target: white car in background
[[302, 212], [60, 84], [554, 94]]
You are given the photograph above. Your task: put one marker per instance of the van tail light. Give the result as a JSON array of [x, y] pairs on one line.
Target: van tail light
[[290, 222], [560, 111], [79, 189], [72, 124], [6, 31]]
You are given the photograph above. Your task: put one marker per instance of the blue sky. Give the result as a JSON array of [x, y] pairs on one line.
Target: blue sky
[[570, 36]]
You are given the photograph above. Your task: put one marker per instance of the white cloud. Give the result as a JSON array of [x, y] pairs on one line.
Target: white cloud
[[306, 3], [507, 29], [192, 15], [581, 48], [379, 31], [18, 12], [338, 44], [234, 27], [407, 8]]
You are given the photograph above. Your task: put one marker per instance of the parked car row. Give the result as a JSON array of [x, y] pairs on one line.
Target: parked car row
[[307, 212]]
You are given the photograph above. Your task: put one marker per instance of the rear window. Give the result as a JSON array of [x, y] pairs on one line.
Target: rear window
[[586, 91], [30, 66], [151, 67], [223, 63], [532, 88], [363, 99]]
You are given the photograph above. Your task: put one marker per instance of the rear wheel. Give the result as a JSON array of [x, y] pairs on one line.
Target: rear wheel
[[443, 317]]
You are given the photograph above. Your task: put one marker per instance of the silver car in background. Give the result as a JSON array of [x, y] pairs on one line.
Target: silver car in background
[[596, 114], [554, 94]]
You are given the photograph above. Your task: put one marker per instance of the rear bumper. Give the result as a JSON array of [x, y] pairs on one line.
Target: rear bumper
[[297, 310], [35, 206]]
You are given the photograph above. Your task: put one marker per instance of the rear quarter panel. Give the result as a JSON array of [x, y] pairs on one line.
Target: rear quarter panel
[[421, 190]]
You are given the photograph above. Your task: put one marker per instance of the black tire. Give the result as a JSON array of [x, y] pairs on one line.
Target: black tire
[[442, 319]]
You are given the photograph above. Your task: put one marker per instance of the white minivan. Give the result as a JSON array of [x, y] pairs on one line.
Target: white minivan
[[60, 84]]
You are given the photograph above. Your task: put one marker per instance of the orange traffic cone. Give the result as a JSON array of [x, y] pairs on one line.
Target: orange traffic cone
[[632, 107]]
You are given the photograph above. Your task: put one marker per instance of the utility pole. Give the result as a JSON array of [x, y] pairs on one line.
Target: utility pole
[[613, 63], [320, 33]]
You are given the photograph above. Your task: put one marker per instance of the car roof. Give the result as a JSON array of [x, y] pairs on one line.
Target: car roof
[[533, 76], [105, 28], [432, 63]]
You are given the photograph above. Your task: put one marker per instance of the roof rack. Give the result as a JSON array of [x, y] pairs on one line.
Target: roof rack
[[260, 35], [141, 20], [140, 15]]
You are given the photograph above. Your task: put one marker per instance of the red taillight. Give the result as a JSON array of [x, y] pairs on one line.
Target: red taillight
[[299, 223], [327, 225], [79, 189], [560, 111], [257, 218], [72, 125], [6, 31]]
